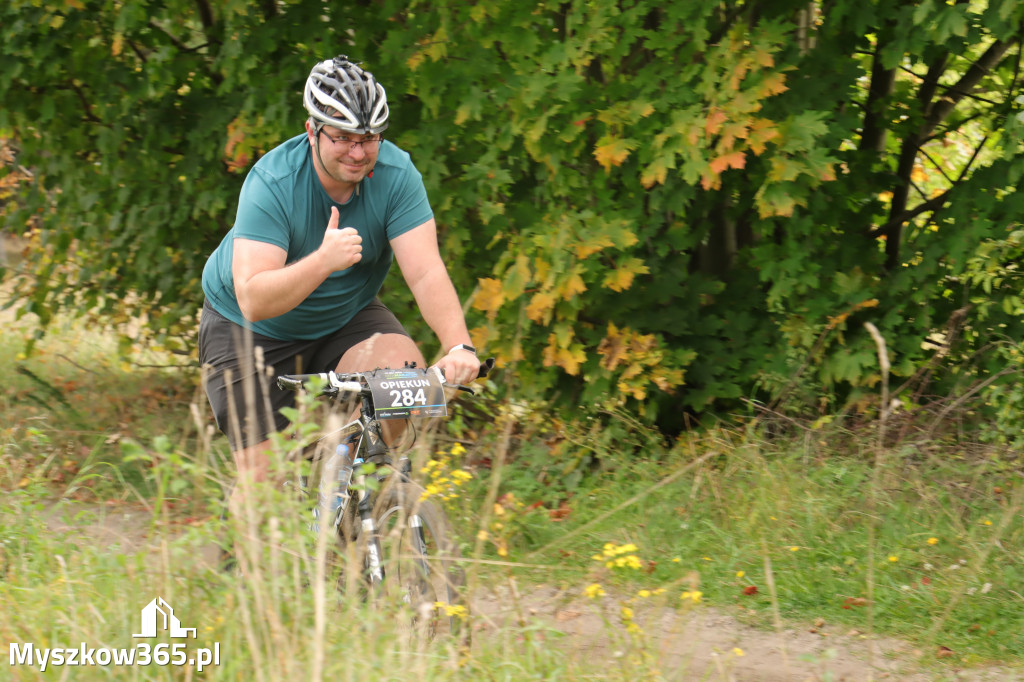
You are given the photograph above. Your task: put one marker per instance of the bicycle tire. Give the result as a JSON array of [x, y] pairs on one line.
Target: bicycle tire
[[428, 585]]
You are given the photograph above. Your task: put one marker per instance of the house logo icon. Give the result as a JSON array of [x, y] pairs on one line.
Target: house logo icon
[[158, 614]]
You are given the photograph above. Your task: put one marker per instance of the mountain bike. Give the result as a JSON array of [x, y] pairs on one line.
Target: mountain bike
[[403, 541]]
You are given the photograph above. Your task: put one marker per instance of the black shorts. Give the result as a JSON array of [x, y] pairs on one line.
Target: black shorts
[[251, 410]]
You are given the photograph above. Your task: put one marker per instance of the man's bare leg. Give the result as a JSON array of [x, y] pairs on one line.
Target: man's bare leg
[[253, 466], [379, 351]]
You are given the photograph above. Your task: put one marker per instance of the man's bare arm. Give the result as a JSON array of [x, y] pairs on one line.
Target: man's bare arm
[[265, 287], [420, 261]]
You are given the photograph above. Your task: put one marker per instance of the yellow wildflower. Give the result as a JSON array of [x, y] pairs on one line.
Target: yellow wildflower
[[452, 610]]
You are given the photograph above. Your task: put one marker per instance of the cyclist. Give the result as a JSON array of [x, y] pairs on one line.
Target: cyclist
[[319, 220]]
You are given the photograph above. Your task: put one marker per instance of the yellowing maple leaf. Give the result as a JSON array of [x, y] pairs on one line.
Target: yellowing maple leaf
[[763, 57], [539, 309], [414, 60], [480, 336], [777, 204], [773, 85], [655, 174], [621, 278], [612, 348], [716, 117], [573, 286], [592, 246], [613, 152], [490, 296], [761, 132], [570, 359], [727, 161]]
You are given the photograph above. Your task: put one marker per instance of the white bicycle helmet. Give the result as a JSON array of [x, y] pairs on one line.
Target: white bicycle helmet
[[340, 94]]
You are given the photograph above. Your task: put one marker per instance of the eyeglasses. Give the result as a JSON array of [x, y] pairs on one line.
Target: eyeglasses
[[368, 144]]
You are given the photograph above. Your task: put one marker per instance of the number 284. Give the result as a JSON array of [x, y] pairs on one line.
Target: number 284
[[407, 398]]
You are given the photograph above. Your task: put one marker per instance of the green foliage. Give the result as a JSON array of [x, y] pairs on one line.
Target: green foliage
[[668, 208]]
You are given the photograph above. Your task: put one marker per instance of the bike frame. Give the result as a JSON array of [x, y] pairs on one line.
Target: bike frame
[[370, 448]]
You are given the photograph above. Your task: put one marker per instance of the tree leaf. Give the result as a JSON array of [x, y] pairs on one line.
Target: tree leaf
[[611, 151]]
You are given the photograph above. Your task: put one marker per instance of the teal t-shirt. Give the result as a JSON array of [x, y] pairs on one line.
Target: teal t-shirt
[[282, 202]]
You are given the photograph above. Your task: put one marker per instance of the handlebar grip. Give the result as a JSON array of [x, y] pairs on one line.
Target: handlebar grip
[[485, 368], [289, 383], [293, 382]]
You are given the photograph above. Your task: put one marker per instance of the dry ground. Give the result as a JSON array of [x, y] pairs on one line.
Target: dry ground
[[697, 644]]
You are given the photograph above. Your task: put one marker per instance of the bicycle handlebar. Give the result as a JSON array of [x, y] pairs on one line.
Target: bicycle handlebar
[[350, 382]]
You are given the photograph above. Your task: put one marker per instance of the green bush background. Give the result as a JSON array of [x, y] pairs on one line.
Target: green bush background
[[669, 207]]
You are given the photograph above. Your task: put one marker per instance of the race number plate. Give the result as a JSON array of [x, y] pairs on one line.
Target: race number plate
[[407, 393]]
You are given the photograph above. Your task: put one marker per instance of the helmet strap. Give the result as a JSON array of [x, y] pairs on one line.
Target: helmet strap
[[320, 158]]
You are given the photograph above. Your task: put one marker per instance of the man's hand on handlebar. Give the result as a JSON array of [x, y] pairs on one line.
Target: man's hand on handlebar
[[460, 366]]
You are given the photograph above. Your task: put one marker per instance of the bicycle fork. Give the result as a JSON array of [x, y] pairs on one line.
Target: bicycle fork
[[412, 530], [374, 566]]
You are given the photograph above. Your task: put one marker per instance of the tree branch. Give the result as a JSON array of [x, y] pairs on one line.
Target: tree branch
[[206, 15], [727, 21], [882, 81], [86, 107], [940, 132], [932, 204], [179, 44], [970, 161], [978, 70], [935, 164], [935, 111], [137, 50]]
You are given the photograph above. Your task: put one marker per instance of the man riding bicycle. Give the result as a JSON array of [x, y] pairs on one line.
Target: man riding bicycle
[[320, 219]]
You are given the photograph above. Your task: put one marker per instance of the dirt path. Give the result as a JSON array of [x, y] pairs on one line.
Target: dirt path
[[702, 644], [698, 644]]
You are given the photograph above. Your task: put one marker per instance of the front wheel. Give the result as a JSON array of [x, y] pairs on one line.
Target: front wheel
[[419, 558]]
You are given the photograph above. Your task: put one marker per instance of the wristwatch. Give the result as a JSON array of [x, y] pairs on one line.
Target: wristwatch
[[463, 346]]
